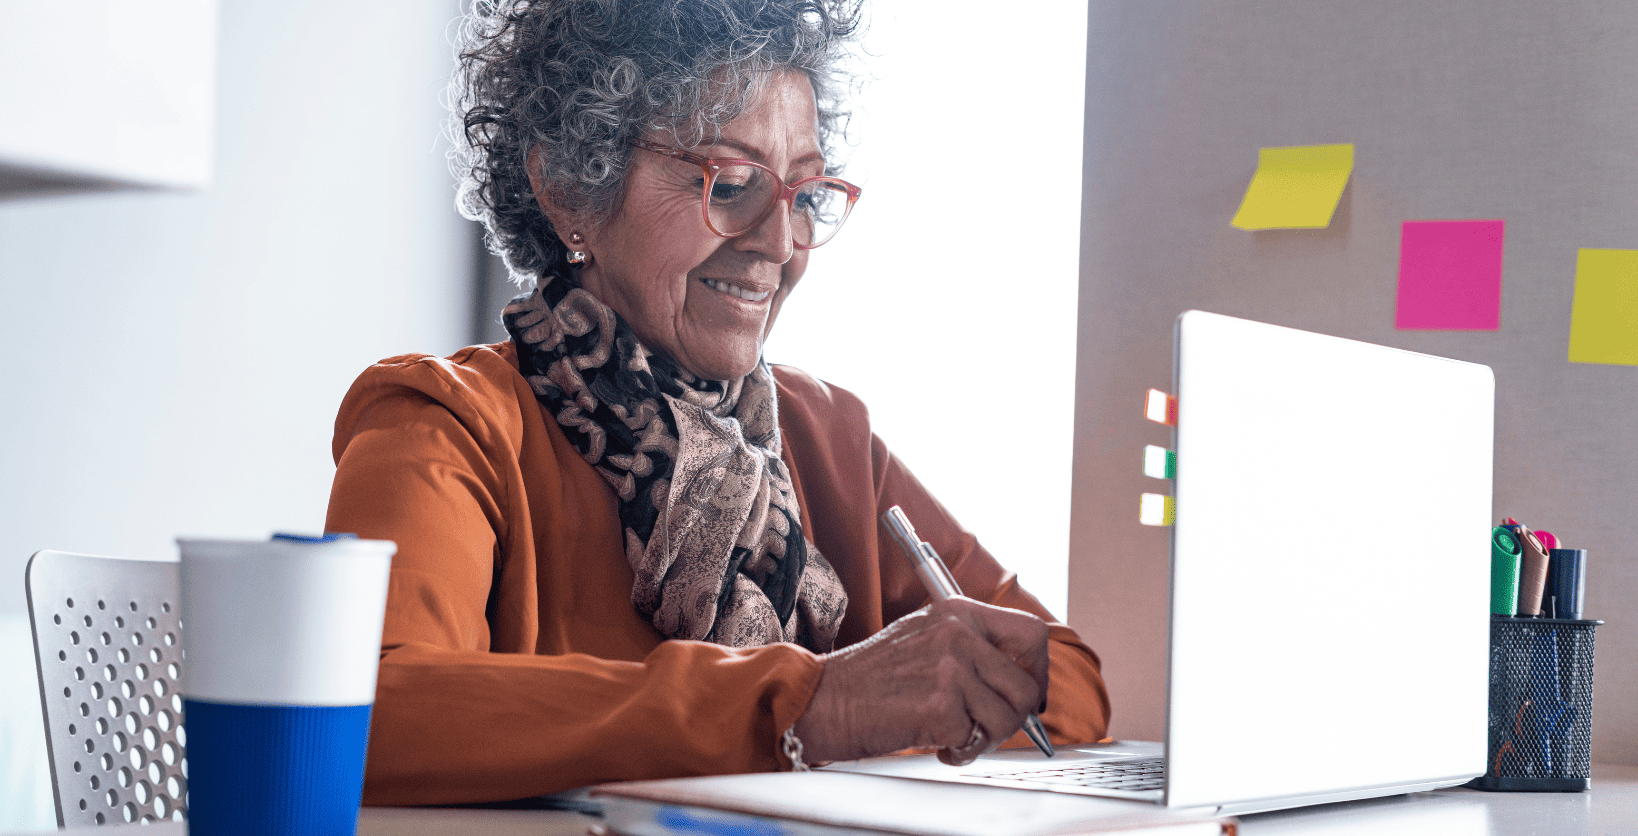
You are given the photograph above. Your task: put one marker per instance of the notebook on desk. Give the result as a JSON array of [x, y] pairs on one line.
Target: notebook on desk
[[1329, 581], [840, 804]]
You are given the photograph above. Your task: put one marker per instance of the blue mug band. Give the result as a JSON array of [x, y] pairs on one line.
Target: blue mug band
[[261, 770]]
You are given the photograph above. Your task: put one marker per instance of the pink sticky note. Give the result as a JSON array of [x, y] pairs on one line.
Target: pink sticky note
[[1450, 275]]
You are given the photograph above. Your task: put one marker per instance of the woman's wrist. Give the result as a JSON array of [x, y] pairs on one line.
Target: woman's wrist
[[812, 732]]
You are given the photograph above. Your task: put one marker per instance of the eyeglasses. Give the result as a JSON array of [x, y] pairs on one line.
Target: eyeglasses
[[735, 195]]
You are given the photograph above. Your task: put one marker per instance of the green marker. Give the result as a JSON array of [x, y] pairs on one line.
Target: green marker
[[1505, 555]]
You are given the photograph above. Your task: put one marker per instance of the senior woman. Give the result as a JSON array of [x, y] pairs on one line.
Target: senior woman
[[628, 547]]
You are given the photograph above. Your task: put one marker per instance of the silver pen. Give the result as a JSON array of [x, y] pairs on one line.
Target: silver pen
[[942, 586]]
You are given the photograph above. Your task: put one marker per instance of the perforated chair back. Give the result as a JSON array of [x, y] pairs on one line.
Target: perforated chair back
[[108, 648]]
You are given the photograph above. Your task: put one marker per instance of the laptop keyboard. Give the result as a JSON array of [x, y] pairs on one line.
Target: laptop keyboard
[[1135, 774]]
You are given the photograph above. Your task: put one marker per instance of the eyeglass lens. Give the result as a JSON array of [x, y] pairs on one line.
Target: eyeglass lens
[[742, 195]]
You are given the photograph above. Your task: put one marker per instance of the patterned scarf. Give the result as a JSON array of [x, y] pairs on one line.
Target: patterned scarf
[[712, 528]]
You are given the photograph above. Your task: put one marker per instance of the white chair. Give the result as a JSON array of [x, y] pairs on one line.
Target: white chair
[[108, 649]]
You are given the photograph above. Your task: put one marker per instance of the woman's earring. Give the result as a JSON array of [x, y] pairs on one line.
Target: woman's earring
[[578, 256]]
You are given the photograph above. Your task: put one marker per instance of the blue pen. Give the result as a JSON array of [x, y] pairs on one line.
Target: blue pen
[[942, 586], [1547, 700]]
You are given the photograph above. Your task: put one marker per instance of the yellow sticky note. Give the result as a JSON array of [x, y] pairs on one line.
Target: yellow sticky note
[[1604, 316], [1296, 188]]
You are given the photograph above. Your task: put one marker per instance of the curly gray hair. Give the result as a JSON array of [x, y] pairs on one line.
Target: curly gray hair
[[583, 78]]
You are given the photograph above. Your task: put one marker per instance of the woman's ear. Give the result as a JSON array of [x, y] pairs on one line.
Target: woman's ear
[[563, 224]]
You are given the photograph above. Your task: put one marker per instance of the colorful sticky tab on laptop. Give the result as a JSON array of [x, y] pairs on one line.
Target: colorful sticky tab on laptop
[[1156, 509], [1160, 408], [1159, 462]]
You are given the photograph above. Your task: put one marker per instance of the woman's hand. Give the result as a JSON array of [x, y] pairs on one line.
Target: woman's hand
[[958, 675]]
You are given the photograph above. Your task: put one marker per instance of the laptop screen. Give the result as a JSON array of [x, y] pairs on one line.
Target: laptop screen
[[1330, 564]]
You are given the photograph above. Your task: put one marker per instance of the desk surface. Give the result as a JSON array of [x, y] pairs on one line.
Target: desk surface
[[1610, 809]]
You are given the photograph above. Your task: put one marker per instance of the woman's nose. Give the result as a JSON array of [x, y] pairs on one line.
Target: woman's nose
[[773, 237]]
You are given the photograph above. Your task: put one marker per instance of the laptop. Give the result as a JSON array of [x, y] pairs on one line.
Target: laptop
[[1330, 576]]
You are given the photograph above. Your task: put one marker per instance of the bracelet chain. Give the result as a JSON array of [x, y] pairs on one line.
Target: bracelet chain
[[791, 746]]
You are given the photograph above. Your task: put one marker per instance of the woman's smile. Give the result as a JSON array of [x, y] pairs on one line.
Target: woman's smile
[[736, 291]]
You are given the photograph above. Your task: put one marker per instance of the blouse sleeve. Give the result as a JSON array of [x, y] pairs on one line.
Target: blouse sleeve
[[426, 458]]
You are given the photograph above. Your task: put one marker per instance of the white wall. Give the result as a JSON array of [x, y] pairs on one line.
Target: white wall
[[178, 358], [948, 300], [174, 361]]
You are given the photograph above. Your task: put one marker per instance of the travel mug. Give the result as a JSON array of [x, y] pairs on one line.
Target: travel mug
[[282, 639]]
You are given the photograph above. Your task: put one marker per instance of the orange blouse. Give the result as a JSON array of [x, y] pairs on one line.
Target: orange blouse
[[513, 663]]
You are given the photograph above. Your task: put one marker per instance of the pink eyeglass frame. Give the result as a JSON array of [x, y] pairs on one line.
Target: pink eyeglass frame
[[787, 193]]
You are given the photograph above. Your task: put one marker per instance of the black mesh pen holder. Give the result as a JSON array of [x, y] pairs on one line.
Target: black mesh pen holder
[[1541, 701]]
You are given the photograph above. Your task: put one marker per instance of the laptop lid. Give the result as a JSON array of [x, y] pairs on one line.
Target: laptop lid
[[1330, 567]]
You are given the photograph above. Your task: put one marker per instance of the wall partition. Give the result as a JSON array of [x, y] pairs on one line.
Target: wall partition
[[1501, 110]]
